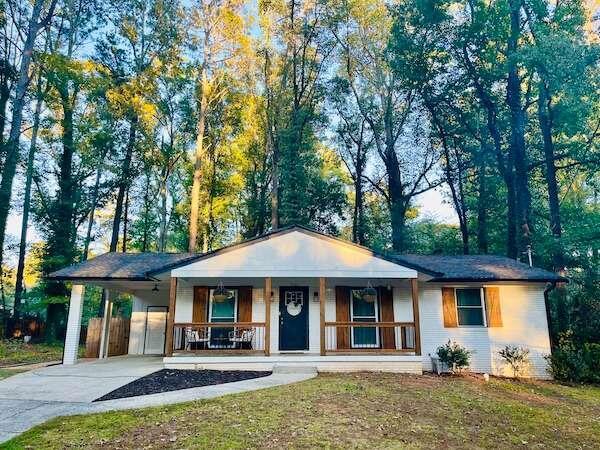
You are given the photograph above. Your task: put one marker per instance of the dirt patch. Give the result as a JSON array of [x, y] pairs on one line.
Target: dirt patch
[[167, 380]]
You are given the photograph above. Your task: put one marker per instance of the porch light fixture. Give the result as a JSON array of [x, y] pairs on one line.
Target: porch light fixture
[[155, 288], [220, 294], [369, 294]]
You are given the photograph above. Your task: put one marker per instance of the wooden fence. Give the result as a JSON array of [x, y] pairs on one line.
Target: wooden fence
[[118, 340]]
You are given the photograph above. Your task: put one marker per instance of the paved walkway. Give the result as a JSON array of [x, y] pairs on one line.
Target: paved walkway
[[31, 398]]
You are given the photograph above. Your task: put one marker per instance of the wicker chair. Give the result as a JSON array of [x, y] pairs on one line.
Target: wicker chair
[[195, 338], [242, 337]]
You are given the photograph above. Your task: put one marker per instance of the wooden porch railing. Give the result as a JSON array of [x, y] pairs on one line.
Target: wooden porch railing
[[219, 337], [373, 337]]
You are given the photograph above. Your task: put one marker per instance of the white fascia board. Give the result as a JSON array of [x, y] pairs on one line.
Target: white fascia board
[[184, 272]]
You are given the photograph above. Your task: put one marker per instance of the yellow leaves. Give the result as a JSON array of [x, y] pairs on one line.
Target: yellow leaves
[[129, 30], [134, 97]]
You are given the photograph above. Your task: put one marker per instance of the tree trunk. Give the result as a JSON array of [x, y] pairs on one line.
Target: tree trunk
[[88, 234], [482, 211], [199, 159], [546, 122], [64, 233], [505, 169], [125, 220], [517, 126], [123, 184], [358, 231], [11, 148], [61, 246], [397, 206], [271, 147], [5, 89], [26, 206], [162, 234]]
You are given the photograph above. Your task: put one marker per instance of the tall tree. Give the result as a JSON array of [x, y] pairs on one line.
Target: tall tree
[[40, 17]]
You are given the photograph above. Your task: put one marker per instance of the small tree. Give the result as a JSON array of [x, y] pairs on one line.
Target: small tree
[[454, 356], [517, 358]]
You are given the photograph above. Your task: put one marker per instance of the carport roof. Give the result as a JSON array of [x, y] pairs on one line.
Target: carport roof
[[123, 266]]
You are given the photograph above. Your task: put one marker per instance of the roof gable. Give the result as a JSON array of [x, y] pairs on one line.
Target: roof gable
[[295, 252]]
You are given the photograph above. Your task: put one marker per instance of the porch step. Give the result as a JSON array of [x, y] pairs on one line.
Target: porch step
[[287, 368]]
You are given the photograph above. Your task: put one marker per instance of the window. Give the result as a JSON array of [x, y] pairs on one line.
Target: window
[[363, 311], [470, 307], [225, 311]]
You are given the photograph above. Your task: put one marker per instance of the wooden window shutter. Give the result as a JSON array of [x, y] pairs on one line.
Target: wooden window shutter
[[200, 307], [492, 306], [245, 304], [386, 302], [342, 314], [449, 307]]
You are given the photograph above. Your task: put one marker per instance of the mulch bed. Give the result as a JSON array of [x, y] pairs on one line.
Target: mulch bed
[[167, 380]]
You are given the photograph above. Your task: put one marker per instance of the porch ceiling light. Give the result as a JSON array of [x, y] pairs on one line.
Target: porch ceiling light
[[220, 294], [369, 294]]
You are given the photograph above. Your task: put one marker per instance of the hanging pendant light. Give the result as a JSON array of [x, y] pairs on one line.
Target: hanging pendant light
[[369, 294], [220, 294]]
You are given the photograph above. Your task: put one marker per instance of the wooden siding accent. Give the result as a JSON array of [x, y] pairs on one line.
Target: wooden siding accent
[[342, 314], [267, 300], [92, 339], [386, 303], [171, 317], [414, 289], [492, 306], [244, 304], [118, 340], [322, 300], [200, 305], [449, 307]]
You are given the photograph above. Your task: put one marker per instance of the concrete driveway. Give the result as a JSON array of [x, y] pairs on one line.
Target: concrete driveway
[[31, 398]]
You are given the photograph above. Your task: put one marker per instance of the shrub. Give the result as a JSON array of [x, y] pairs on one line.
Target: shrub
[[517, 358], [454, 356], [570, 362]]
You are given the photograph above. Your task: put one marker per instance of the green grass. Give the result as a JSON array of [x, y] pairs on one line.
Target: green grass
[[5, 373], [15, 351], [350, 410]]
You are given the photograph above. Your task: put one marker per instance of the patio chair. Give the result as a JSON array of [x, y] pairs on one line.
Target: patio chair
[[242, 337], [195, 339]]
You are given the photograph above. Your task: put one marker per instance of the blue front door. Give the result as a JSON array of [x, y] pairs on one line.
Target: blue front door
[[293, 318]]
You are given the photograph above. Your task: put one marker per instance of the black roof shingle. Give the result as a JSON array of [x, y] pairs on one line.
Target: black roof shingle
[[142, 266], [123, 266]]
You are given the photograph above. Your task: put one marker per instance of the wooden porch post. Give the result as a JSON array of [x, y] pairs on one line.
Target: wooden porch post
[[322, 294], [415, 302], [267, 296], [171, 317]]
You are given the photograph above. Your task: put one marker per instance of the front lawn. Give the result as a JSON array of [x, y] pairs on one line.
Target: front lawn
[[15, 351], [5, 373], [350, 410]]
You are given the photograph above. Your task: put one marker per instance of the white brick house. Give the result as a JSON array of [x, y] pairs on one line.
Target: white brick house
[[296, 296]]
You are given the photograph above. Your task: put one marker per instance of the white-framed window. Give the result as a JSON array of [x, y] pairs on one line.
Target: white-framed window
[[225, 311], [470, 307], [363, 311]]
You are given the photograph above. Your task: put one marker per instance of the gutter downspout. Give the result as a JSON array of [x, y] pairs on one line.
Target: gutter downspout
[[549, 287]]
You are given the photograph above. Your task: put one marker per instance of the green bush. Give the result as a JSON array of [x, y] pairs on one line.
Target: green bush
[[517, 358], [454, 356], [570, 362]]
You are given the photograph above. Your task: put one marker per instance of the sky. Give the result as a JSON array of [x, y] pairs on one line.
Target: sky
[[433, 204]]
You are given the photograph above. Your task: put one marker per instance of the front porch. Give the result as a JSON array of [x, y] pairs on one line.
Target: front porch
[[287, 317]]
